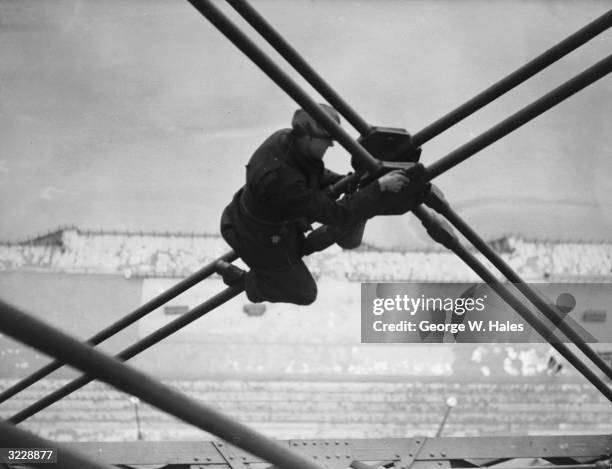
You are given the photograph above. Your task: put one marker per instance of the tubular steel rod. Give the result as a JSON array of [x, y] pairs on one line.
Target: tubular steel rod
[[132, 351], [429, 220], [538, 300], [279, 43], [13, 437], [122, 323], [253, 52], [129, 380], [567, 89], [517, 77]]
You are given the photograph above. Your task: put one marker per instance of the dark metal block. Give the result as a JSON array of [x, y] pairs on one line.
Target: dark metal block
[[388, 144]]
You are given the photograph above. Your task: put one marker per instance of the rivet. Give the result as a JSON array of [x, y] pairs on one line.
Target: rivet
[[410, 455], [195, 459], [443, 455], [397, 455], [336, 443], [208, 459], [231, 458], [432, 455], [328, 457]]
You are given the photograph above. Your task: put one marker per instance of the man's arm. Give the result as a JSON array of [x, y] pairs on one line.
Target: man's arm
[[329, 177], [315, 205]]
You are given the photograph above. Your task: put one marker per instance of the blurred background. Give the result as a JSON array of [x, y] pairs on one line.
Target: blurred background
[[125, 127]]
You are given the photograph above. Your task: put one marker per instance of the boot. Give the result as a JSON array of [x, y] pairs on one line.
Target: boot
[[230, 274]]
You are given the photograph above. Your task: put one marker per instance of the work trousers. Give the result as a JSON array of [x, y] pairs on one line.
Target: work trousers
[[292, 282]]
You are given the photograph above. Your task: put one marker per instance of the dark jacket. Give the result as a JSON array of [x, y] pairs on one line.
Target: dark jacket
[[284, 192]]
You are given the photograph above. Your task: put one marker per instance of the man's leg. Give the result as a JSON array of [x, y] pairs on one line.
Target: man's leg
[[324, 236], [352, 239], [291, 284], [285, 284], [230, 274]]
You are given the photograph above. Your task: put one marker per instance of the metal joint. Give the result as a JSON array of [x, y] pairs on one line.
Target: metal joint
[[388, 145], [234, 457], [329, 453], [409, 453]]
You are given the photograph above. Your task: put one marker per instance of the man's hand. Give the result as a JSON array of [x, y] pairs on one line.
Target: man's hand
[[392, 181]]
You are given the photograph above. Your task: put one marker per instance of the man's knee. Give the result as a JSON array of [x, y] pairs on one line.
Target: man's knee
[[302, 298], [349, 242], [307, 296], [297, 286], [352, 239]]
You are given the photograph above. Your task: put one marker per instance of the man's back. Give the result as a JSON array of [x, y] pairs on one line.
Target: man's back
[[276, 176]]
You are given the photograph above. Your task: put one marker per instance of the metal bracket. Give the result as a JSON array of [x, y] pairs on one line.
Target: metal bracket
[[234, 457], [388, 144], [399, 453], [409, 452], [329, 453]]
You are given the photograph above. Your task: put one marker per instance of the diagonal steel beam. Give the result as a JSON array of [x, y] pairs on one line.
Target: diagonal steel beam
[[520, 118], [550, 56], [51, 341], [133, 350], [437, 202], [122, 323], [292, 56], [508, 125], [441, 232], [514, 79], [285, 82]]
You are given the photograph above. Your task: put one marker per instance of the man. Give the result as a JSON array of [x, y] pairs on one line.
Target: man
[[285, 191]]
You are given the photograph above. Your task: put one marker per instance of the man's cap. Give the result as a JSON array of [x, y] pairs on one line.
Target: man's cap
[[304, 124]]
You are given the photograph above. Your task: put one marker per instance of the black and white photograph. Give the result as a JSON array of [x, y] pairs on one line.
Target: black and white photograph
[[306, 234]]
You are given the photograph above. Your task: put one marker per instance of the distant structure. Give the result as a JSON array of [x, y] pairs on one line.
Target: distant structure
[[68, 249]]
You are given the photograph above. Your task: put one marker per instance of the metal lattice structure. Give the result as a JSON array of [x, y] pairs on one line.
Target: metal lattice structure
[[578, 452], [376, 151]]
